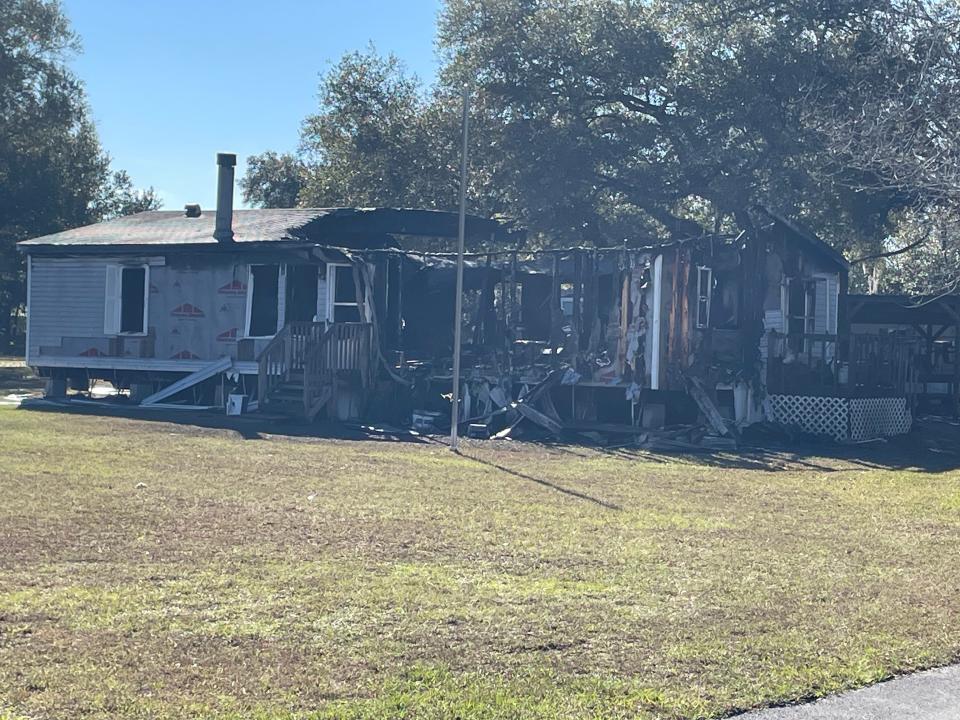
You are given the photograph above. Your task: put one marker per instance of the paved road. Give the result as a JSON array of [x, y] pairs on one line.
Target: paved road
[[931, 695]]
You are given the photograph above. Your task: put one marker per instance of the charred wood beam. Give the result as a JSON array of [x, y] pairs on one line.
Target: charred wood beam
[[754, 289], [400, 304], [539, 418], [592, 305], [531, 397], [577, 295], [556, 317], [514, 315]]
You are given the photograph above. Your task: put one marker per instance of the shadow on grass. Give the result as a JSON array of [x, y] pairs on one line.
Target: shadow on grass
[[540, 481], [933, 446], [249, 427]]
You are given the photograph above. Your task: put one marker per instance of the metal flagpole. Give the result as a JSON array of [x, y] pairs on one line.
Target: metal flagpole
[[458, 312]]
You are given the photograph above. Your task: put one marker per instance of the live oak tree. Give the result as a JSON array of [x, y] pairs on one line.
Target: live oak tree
[[379, 138], [604, 121], [368, 143], [53, 172], [669, 115], [895, 118], [895, 124], [273, 180], [374, 141]]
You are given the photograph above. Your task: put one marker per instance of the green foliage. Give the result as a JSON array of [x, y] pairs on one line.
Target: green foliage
[[53, 173], [598, 120], [379, 138], [893, 132], [117, 197], [273, 180], [643, 107], [368, 109], [932, 267]]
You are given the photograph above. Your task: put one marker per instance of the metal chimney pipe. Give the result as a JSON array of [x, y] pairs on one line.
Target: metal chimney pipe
[[223, 233]]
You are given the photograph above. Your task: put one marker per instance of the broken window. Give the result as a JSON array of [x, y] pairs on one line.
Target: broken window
[[133, 300], [342, 294], [704, 296], [125, 301], [263, 306]]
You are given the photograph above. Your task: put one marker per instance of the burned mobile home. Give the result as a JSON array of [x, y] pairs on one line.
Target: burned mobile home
[[177, 304], [346, 314]]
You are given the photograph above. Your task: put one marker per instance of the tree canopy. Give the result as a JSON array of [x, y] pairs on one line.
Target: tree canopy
[[609, 121], [53, 172]]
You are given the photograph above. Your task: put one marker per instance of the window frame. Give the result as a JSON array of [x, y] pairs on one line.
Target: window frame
[[332, 303], [113, 326], [281, 297], [808, 318], [810, 307], [704, 295], [319, 278]]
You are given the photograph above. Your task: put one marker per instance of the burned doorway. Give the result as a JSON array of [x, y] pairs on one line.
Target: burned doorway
[[303, 291]]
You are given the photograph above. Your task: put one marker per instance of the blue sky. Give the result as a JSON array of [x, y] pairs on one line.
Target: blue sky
[[173, 82]]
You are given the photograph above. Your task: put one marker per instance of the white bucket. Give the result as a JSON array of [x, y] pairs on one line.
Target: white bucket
[[235, 404]]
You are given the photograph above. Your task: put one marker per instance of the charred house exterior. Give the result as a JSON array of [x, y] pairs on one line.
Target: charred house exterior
[[349, 313]]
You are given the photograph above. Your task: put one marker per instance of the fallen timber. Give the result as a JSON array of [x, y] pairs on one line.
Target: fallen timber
[[536, 409]]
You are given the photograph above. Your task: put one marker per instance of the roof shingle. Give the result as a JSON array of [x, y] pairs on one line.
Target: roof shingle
[[172, 227], [327, 225]]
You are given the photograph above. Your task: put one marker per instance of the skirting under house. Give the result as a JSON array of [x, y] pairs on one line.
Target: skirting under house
[[844, 419]]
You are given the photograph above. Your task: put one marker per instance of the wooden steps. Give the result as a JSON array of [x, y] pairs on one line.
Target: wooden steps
[[299, 368]]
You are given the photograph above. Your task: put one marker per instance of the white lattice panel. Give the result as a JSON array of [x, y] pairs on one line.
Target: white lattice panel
[[841, 418], [811, 413], [879, 417]]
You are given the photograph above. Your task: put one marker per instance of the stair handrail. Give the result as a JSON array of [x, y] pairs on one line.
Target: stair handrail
[[273, 364], [285, 354], [343, 346], [316, 372]]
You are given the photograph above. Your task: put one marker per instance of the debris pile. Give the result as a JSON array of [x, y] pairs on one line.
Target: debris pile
[[534, 415]]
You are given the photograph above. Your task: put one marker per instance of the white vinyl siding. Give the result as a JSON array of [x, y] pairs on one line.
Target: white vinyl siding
[[820, 313], [322, 296], [282, 298], [833, 303], [784, 306], [772, 320], [67, 298]]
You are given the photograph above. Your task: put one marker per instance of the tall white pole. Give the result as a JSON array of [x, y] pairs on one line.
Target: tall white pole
[[458, 312]]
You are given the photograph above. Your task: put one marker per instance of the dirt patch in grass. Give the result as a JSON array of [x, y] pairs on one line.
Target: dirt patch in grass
[[152, 570]]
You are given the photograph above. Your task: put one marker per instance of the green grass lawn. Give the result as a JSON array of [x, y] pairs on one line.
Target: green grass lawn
[[152, 570]]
